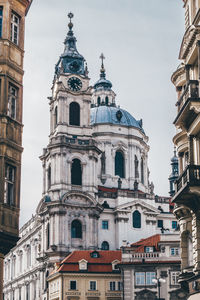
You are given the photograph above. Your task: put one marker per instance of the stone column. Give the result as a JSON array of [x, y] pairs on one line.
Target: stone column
[[180, 154], [191, 150], [187, 70], [196, 241], [198, 49], [1, 275]]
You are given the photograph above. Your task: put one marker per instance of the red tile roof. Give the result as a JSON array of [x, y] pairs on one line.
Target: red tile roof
[[101, 264], [151, 241]]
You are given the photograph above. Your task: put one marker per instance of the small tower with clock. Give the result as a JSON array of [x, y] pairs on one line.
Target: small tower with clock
[[70, 160]]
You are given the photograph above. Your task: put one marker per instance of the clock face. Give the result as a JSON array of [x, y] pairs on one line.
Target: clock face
[[74, 84]]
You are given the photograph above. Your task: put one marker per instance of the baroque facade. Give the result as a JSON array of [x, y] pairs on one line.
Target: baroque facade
[[96, 190], [187, 191], [12, 19]]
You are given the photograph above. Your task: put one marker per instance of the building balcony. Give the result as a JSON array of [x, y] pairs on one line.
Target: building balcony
[[140, 257], [187, 186], [188, 104]]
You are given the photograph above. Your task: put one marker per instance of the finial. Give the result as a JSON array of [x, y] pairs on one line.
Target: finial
[[70, 16], [102, 57], [174, 150]]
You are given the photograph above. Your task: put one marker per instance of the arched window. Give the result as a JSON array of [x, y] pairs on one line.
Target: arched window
[[105, 246], [48, 236], [136, 219], [29, 256], [98, 100], [55, 117], [46, 281], [49, 177], [76, 172], [76, 229], [119, 164], [142, 170], [107, 100], [74, 114]]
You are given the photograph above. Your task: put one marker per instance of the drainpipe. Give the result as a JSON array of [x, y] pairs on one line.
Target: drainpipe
[[1, 275], [62, 292], [123, 284]]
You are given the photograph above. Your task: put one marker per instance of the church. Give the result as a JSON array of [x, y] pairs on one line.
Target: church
[[96, 189]]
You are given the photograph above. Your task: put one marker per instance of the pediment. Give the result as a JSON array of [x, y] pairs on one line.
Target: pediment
[[147, 208], [76, 198]]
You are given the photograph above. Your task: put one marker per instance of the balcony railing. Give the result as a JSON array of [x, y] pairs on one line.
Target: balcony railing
[[191, 91], [191, 177]]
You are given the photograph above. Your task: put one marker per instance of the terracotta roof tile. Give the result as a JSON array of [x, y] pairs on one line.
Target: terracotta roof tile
[[151, 241], [102, 264]]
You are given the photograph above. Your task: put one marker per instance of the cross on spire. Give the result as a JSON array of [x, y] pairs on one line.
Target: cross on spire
[[102, 57], [70, 16]]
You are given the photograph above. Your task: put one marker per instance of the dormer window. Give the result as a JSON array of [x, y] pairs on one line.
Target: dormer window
[[148, 249], [83, 265], [115, 265], [94, 254]]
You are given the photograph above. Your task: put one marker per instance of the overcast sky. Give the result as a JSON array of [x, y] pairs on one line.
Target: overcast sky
[[140, 40]]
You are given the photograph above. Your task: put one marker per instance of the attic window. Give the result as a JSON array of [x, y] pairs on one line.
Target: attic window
[[94, 254], [83, 264], [115, 265], [148, 249]]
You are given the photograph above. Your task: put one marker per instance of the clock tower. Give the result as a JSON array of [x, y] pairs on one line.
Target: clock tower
[[69, 205]]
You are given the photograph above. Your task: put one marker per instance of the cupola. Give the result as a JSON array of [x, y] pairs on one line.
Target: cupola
[[174, 174], [103, 94]]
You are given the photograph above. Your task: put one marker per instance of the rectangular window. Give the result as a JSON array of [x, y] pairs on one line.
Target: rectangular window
[[9, 184], [149, 277], [13, 295], [12, 100], [14, 34], [28, 292], [20, 262], [112, 286], [119, 285], [174, 277], [148, 249], [20, 293], [72, 285], [140, 278], [104, 224], [160, 223], [93, 286], [1, 20], [174, 224], [174, 251]]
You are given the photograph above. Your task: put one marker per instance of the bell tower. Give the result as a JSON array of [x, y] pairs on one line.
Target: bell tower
[[71, 157]]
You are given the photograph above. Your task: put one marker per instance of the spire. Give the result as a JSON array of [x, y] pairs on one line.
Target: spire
[[71, 61], [174, 174], [102, 70], [103, 93], [103, 83], [70, 40]]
